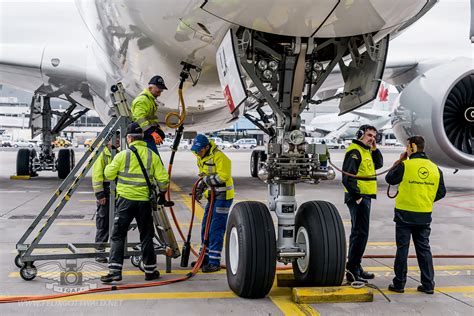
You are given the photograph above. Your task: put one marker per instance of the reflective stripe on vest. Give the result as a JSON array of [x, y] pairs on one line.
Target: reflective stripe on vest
[[126, 171], [417, 191], [366, 169]]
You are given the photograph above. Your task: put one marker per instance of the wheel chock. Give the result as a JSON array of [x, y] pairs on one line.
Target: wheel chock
[[286, 279], [20, 177], [332, 294]]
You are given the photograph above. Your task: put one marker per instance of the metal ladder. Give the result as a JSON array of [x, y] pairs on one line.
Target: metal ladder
[[163, 232]]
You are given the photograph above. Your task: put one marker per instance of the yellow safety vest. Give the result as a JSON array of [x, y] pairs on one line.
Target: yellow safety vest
[[366, 169], [417, 191], [98, 177], [217, 168], [131, 183], [145, 110]]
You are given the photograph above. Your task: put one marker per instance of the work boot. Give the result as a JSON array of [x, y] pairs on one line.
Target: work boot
[[392, 288], [152, 276], [421, 288], [101, 260], [208, 268], [353, 276], [111, 277], [366, 275], [202, 265]]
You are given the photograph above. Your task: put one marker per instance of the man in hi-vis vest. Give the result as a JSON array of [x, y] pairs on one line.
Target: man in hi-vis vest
[[362, 159], [420, 184]]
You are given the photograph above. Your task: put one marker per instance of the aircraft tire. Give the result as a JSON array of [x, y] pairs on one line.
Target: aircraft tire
[[319, 231], [254, 163], [23, 161], [250, 250], [65, 162]]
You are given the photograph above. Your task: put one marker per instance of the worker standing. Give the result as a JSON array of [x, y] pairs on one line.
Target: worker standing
[[145, 112], [215, 168], [420, 184], [101, 188], [362, 158], [134, 201]]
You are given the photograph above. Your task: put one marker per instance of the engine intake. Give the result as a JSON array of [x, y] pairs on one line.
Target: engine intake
[[439, 105]]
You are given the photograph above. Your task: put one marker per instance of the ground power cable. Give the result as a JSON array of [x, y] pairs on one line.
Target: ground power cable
[[188, 276]]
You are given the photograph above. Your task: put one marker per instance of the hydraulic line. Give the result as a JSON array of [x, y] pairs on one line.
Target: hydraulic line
[[188, 276]]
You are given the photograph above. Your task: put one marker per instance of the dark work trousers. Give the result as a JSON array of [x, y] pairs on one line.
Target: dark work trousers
[[360, 218], [150, 143], [102, 224], [421, 239], [220, 213], [126, 211]]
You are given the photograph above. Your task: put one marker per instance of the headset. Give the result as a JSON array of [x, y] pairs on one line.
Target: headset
[[413, 148], [363, 128]]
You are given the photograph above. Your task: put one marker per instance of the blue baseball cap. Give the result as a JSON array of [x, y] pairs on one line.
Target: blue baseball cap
[[199, 143]]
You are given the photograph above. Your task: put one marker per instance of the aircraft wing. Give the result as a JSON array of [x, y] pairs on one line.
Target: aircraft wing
[[366, 115]]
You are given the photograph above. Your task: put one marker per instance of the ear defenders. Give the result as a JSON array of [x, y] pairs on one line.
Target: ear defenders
[[413, 148], [363, 128]]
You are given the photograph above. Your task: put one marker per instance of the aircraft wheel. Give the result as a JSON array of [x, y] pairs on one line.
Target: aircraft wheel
[[28, 271], [250, 250], [141, 265], [135, 260], [24, 161], [65, 162], [320, 233], [18, 261], [254, 163]]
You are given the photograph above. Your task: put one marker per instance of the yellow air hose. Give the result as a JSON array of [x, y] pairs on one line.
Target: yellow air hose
[[181, 116]]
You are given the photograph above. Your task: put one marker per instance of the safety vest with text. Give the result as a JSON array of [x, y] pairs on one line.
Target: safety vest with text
[[366, 169], [417, 191], [217, 170]]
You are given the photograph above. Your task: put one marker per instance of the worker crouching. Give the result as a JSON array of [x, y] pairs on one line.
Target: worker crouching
[[134, 201], [215, 170]]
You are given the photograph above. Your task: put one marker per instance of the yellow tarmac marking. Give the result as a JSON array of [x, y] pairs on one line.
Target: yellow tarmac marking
[[199, 211], [87, 201], [281, 297], [174, 187], [467, 290]]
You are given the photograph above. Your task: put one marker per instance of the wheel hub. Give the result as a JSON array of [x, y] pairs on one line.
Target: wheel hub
[[234, 250], [302, 241]]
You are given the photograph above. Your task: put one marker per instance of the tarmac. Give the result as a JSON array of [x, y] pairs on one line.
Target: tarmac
[[208, 294]]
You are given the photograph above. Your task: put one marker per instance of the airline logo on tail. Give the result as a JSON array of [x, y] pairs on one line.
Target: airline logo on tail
[[383, 94]]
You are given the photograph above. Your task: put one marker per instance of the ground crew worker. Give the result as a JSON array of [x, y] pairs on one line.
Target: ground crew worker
[[101, 187], [216, 171], [145, 112], [362, 158], [134, 202], [420, 184]]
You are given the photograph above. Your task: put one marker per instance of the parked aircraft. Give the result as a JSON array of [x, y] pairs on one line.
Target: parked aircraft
[[245, 54]]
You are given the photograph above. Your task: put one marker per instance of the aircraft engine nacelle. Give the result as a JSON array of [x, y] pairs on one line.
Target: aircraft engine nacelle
[[439, 105]]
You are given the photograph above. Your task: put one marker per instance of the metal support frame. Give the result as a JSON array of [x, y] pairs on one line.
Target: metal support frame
[[289, 163], [67, 188]]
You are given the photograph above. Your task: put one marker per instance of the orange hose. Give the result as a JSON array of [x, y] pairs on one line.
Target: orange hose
[[138, 285]]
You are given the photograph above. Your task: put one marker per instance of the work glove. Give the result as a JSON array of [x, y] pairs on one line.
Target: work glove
[[200, 190], [162, 200], [157, 138]]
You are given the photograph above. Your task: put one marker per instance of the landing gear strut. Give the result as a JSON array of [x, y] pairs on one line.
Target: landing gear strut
[[312, 236], [29, 163]]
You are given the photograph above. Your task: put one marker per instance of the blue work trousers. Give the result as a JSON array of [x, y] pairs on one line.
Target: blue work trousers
[[220, 213]]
